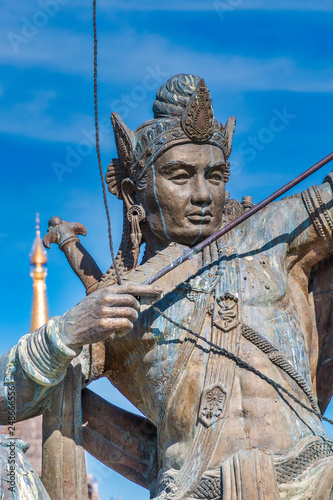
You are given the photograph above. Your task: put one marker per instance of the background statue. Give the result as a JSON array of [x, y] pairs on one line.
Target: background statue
[[229, 364]]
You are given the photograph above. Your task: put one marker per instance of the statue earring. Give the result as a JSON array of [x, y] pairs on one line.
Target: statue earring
[[136, 215]]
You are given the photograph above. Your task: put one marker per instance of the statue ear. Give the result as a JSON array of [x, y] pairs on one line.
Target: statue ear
[[230, 129], [128, 192], [125, 141], [114, 177]]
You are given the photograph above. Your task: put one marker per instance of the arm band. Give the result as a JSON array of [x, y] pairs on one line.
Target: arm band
[[43, 355]]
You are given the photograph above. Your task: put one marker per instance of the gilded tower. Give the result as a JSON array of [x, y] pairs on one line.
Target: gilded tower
[[38, 261], [31, 430]]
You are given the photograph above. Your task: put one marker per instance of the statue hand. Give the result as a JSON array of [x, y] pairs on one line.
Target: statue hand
[[104, 312]]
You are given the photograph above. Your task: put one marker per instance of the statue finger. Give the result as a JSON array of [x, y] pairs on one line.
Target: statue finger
[[115, 301], [125, 326], [138, 290], [120, 312], [119, 326]]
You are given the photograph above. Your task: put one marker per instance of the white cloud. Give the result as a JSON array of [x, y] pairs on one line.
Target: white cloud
[[202, 5], [112, 6], [299, 5], [52, 49], [226, 75], [124, 59], [33, 118], [233, 73]]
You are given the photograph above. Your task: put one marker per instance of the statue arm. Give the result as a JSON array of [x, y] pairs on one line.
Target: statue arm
[[312, 247], [38, 364], [31, 372], [314, 222], [320, 288]]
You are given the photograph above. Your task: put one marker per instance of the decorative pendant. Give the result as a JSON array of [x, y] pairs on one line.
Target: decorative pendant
[[212, 404], [227, 315]]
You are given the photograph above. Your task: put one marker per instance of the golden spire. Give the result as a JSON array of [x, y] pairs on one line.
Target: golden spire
[[38, 260]]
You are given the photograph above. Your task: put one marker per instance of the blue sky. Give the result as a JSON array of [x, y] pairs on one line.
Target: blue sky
[[267, 62]]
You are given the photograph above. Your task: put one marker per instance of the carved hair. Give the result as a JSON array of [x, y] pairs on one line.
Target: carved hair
[[174, 95]]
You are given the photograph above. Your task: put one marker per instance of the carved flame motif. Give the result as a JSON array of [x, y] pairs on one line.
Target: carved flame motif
[[213, 400], [227, 318], [123, 141], [198, 117]]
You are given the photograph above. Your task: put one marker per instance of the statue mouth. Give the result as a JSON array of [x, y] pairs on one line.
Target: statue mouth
[[200, 217]]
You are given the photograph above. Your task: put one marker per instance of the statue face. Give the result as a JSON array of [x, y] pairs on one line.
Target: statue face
[[185, 194]]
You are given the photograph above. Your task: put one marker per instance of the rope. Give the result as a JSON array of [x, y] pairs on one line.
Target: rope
[[243, 364], [279, 360], [98, 147]]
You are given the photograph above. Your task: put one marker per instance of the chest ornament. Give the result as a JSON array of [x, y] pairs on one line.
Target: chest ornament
[[212, 404], [227, 314]]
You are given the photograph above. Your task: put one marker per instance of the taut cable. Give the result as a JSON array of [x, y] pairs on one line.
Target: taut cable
[[98, 147], [242, 364]]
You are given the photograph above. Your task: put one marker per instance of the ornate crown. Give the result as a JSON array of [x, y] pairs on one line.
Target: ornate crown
[[194, 122]]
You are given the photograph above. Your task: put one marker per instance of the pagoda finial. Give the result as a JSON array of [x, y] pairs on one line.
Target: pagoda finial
[[38, 254], [38, 260], [37, 223]]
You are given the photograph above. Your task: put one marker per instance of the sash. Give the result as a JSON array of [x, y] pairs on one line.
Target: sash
[[220, 371]]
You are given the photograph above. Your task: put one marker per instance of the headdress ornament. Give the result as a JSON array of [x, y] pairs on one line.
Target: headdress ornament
[[183, 113]]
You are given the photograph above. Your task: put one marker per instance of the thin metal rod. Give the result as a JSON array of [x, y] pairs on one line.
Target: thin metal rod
[[246, 215], [98, 151]]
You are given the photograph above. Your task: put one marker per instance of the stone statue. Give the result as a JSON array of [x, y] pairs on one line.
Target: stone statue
[[232, 362]]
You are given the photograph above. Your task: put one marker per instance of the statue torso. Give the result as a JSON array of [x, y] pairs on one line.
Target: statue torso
[[262, 278]]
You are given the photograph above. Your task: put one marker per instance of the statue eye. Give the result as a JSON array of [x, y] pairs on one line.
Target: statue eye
[[179, 175], [215, 175]]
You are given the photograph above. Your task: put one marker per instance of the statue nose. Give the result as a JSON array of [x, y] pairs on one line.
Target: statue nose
[[201, 194]]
